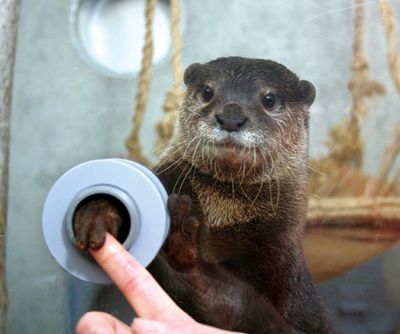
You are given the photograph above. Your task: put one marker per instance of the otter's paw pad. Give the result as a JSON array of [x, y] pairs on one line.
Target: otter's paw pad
[[181, 246], [179, 206], [183, 220]]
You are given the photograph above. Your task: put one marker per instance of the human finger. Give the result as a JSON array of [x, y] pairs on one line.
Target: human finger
[[137, 285], [101, 323]]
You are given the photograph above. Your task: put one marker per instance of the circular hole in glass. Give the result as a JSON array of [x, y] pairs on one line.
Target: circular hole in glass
[[109, 34]]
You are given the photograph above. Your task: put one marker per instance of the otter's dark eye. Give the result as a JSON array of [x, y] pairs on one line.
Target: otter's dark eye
[[207, 93], [268, 100]]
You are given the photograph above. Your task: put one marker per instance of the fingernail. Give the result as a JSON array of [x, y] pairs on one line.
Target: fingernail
[[145, 325]]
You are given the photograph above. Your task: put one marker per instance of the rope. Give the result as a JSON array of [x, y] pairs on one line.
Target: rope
[[379, 185], [165, 127], [176, 57], [389, 156], [345, 142], [361, 85], [389, 23], [145, 75]]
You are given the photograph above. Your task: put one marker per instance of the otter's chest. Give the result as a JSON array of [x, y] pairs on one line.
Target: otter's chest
[[221, 208]]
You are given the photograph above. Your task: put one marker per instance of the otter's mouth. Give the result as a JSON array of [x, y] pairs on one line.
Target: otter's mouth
[[232, 154], [228, 145]]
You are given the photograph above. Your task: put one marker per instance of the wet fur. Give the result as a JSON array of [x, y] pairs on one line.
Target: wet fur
[[248, 271]]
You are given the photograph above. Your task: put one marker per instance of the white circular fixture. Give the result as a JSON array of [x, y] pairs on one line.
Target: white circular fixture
[[109, 34], [136, 187]]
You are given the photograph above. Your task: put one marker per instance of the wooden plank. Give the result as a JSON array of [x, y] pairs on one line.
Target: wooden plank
[[343, 232], [9, 11]]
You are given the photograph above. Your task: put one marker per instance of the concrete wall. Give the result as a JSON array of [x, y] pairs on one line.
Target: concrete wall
[[64, 112]]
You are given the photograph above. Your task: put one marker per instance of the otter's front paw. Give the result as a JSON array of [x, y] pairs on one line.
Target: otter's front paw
[[93, 219], [181, 246]]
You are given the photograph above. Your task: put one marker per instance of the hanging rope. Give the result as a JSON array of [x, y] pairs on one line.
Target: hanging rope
[[390, 154], [389, 23], [379, 185], [176, 53], [361, 85], [143, 87], [345, 141], [165, 127]]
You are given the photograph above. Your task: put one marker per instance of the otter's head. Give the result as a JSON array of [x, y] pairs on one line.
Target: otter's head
[[244, 118]]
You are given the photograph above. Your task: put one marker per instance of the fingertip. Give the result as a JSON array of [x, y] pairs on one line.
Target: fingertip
[[140, 325], [100, 323], [93, 323], [84, 323], [109, 246]]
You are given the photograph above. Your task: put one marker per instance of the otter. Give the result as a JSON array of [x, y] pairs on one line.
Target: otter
[[236, 171]]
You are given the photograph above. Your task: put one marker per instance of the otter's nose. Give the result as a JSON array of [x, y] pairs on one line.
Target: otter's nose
[[232, 117]]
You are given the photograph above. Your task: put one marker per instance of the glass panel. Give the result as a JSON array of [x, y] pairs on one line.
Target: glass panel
[[66, 111]]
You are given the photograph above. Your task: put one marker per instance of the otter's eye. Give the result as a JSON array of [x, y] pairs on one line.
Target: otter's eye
[[268, 100], [207, 93]]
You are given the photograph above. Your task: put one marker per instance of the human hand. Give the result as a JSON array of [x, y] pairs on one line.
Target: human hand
[[156, 311]]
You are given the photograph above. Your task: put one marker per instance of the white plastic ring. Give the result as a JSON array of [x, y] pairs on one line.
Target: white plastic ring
[[135, 186]]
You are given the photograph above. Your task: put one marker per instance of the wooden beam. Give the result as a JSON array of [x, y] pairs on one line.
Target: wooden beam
[[9, 12], [343, 232]]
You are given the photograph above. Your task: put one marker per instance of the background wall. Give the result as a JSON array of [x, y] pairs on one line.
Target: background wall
[[64, 113]]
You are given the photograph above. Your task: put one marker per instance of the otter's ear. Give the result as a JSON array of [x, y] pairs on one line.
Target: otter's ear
[[306, 92], [191, 73]]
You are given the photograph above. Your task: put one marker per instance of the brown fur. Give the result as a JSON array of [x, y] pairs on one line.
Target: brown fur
[[244, 268]]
